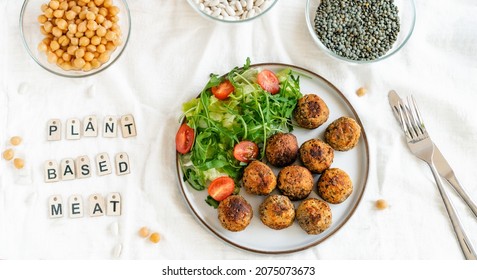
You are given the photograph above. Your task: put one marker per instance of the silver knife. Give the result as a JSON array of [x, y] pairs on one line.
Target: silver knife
[[443, 167]]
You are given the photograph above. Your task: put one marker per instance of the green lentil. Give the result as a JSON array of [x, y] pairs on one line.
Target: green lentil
[[357, 29]]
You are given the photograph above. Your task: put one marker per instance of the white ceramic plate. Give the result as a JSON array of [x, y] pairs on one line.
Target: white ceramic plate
[[259, 238]]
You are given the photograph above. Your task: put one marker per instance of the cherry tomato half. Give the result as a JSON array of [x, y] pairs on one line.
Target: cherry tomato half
[[220, 188], [268, 81], [184, 139], [223, 90], [246, 151]]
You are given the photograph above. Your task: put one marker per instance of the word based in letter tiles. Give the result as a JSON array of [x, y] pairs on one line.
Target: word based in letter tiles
[[80, 168], [97, 206], [75, 129]]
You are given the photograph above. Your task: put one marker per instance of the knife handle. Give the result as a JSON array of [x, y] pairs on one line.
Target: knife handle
[[462, 193]]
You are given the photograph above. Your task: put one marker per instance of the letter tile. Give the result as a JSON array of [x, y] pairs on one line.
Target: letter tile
[[122, 164], [67, 167], [53, 130], [73, 129], [55, 206], [52, 173], [110, 127], [128, 126], [96, 205], [76, 206], [113, 204], [90, 126], [83, 167], [103, 164]]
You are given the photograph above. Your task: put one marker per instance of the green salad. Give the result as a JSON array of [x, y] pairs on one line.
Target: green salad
[[248, 103]]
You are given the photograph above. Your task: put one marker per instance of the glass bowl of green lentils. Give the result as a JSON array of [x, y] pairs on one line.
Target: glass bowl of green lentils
[[360, 31]]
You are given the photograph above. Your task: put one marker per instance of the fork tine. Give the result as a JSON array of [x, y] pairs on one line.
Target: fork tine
[[404, 122], [413, 117], [418, 115]]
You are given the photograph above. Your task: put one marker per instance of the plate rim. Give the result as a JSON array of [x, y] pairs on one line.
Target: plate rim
[[345, 220]]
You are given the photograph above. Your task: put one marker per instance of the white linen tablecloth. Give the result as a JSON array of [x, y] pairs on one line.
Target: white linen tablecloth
[[170, 54]]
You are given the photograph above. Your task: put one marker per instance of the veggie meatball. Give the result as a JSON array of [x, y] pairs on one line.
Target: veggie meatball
[[343, 134], [295, 181], [311, 111], [316, 155], [334, 186], [313, 215], [277, 212], [235, 213], [282, 149], [258, 178]]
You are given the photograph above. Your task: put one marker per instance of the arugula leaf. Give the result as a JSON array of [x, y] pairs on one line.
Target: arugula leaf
[[250, 113]]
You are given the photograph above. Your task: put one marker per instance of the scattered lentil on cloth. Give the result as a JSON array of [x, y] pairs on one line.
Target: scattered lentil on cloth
[[357, 29]]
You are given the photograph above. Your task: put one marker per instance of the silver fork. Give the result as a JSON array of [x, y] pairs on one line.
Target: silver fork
[[422, 146]]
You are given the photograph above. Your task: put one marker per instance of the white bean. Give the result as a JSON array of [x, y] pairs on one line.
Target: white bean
[[238, 6], [233, 9], [214, 3], [258, 2], [251, 13], [230, 11], [201, 6], [249, 4], [216, 12]]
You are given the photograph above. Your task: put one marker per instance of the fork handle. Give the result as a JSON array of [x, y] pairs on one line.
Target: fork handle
[[461, 191], [464, 241]]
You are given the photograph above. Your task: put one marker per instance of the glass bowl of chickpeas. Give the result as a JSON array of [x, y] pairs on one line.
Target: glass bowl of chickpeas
[[75, 38]]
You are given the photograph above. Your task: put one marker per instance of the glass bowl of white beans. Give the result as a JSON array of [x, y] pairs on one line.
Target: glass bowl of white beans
[[231, 11], [75, 38]]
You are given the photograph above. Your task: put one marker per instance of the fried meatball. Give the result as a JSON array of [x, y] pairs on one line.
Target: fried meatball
[[258, 178], [277, 212], [343, 134], [295, 181], [316, 155], [313, 215], [235, 213], [334, 186], [282, 149], [311, 111]]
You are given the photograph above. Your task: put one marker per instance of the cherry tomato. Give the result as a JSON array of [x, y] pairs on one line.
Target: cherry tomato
[[246, 151], [184, 139], [221, 188], [268, 81], [223, 90]]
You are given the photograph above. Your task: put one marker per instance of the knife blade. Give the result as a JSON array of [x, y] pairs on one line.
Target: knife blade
[[442, 166]]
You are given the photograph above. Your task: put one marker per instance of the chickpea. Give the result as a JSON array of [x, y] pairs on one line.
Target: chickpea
[[66, 66], [64, 5], [73, 28], [8, 154], [144, 232], [117, 41], [66, 56], [104, 41], [44, 7], [42, 19], [98, 2], [43, 31], [76, 9], [79, 62], [101, 31], [59, 52], [64, 41], [62, 24], [95, 40], [107, 24], [47, 41], [70, 15], [15, 140], [107, 3], [95, 63], [87, 67], [56, 32], [54, 45], [91, 48], [58, 13], [110, 46], [113, 10], [74, 41], [104, 57], [59, 61], [48, 26], [82, 27], [52, 58], [18, 163], [103, 12], [71, 4], [83, 41], [101, 48], [114, 19], [54, 5], [90, 16], [49, 13], [82, 15], [89, 33], [110, 35], [155, 237], [99, 19], [79, 34], [88, 56], [92, 25], [42, 47], [381, 204], [79, 53]]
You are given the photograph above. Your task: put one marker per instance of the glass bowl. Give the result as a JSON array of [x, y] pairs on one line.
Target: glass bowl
[[407, 18], [196, 5], [32, 37]]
